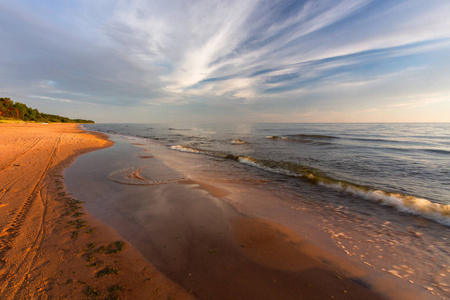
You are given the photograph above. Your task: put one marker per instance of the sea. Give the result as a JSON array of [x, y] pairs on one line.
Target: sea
[[380, 191]]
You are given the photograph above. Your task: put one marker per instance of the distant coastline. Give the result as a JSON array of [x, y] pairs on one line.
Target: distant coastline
[[16, 111]]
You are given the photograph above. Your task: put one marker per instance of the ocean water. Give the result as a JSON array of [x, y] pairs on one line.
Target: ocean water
[[403, 166], [380, 191]]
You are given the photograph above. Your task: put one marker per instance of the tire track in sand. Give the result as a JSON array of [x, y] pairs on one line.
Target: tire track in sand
[[8, 185], [11, 163], [23, 263]]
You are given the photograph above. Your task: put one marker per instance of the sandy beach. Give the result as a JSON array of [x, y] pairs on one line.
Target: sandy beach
[[225, 150], [175, 238], [50, 247]]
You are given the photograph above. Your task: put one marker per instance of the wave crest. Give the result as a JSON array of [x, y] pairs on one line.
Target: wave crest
[[188, 149], [238, 142], [404, 203], [408, 204]]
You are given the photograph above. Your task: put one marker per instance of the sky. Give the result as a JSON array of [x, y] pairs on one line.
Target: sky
[[153, 61]]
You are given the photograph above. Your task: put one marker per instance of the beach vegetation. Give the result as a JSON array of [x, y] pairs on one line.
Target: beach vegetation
[[114, 292], [114, 247], [90, 246], [92, 293], [74, 210], [75, 201], [78, 223], [212, 251], [73, 207], [78, 214], [107, 271], [94, 264], [10, 110], [90, 257]]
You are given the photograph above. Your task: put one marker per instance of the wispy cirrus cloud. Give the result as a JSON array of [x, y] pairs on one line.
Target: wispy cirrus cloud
[[269, 56]]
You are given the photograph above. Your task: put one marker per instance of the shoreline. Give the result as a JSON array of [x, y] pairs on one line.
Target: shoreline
[[209, 244], [50, 246], [187, 229]]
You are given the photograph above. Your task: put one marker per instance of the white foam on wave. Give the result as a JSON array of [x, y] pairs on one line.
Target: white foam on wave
[[254, 163], [250, 161], [238, 142], [407, 204], [186, 149]]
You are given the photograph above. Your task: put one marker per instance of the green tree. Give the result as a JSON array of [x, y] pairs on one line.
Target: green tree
[[17, 110]]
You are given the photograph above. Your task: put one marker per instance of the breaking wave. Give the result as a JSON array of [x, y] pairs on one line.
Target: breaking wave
[[188, 149], [404, 203], [408, 204], [205, 152], [238, 142]]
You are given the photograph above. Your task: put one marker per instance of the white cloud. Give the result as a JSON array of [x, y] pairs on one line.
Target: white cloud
[[180, 53], [60, 99]]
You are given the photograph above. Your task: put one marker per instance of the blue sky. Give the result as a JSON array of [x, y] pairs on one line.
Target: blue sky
[[229, 61]]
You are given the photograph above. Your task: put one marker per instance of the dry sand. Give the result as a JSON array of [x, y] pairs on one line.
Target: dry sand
[[50, 247]]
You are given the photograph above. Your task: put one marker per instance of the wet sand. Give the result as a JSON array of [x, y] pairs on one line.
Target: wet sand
[[50, 246], [192, 235]]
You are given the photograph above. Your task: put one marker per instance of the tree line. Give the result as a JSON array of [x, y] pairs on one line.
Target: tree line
[[19, 111]]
